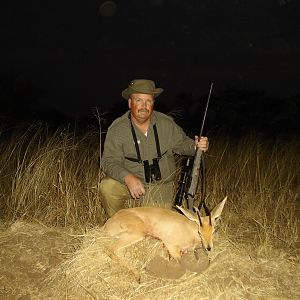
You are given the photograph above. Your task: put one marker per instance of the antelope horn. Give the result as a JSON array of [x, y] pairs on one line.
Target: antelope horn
[[198, 214]]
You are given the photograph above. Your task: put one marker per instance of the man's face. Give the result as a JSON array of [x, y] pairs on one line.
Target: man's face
[[141, 106]]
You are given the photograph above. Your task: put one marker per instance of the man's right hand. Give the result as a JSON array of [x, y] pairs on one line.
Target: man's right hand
[[135, 186]]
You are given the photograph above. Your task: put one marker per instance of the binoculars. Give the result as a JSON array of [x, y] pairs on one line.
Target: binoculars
[[152, 172]]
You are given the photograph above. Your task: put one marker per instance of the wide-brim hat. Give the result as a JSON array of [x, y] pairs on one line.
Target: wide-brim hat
[[141, 86]]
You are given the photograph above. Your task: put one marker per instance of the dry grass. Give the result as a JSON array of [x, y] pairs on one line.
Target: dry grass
[[261, 179], [236, 273], [50, 200], [52, 177]]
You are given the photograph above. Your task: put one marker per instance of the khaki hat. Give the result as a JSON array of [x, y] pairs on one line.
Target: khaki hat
[[141, 86]]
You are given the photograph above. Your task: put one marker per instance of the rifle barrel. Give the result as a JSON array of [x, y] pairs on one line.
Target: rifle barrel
[[206, 108]]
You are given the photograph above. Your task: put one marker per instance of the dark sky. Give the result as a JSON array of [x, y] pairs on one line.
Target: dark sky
[[81, 54]]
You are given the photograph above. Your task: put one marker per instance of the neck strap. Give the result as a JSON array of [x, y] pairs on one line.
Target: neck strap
[[138, 153]]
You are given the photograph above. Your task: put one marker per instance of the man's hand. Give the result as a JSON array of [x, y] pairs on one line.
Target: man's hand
[[202, 143], [135, 186]]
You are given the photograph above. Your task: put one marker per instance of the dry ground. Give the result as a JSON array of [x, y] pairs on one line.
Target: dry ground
[[39, 262]]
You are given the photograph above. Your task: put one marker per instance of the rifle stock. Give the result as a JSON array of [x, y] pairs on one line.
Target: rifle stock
[[191, 192]]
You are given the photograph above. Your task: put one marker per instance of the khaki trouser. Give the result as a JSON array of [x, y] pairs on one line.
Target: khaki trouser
[[116, 196]]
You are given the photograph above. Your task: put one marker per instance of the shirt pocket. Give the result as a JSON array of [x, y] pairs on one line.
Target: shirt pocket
[[129, 150]]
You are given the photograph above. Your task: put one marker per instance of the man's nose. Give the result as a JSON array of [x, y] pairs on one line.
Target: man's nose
[[144, 104]]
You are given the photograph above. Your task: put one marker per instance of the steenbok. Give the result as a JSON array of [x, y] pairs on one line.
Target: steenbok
[[179, 233]]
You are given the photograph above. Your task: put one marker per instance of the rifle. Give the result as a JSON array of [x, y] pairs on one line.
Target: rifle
[[185, 179], [190, 176]]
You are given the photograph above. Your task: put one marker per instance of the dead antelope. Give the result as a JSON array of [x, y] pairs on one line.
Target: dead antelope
[[179, 233]]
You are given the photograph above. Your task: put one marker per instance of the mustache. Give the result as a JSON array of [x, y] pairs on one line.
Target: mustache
[[144, 110]]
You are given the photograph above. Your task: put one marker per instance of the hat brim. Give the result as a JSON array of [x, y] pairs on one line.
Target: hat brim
[[129, 91]]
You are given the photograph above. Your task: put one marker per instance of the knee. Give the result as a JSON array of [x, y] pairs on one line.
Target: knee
[[112, 188], [113, 195]]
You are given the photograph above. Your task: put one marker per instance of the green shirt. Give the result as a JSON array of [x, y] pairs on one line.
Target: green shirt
[[119, 144]]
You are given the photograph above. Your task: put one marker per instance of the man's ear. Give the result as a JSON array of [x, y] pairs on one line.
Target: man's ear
[[129, 102]]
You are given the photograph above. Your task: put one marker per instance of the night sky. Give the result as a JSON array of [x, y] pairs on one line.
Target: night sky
[[82, 54]]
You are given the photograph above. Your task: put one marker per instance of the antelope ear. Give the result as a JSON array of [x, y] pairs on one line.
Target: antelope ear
[[216, 212], [187, 213]]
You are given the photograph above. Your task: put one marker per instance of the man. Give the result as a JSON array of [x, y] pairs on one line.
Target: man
[[138, 157]]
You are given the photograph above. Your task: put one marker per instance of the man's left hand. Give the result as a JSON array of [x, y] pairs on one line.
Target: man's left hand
[[202, 143]]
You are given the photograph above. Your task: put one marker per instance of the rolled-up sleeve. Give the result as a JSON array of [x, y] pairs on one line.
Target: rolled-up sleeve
[[181, 143]]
